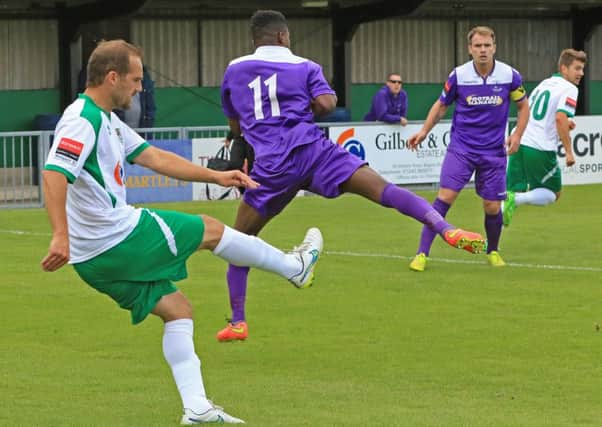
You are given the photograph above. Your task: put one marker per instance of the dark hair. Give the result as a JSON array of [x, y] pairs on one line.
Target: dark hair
[[266, 24], [230, 135], [111, 55]]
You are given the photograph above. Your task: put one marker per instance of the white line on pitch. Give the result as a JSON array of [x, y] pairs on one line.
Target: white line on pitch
[[26, 233], [391, 256], [461, 261]]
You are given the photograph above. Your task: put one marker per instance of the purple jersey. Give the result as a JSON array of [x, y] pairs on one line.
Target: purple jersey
[[270, 93], [387, 107], [482, 105]]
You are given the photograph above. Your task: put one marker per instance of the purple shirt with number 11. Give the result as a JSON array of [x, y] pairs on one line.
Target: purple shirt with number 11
[[270, 93]]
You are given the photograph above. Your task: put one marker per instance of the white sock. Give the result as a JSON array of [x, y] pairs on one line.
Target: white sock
[[178, 349], [537, 196], [249, 251]]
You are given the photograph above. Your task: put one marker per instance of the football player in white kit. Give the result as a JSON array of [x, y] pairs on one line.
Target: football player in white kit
[[533, 175]]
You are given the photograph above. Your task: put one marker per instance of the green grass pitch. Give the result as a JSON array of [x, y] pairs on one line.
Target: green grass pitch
[[370, 344]]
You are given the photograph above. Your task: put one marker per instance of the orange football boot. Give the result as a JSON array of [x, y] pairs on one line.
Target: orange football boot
[[467, 240], [234, 331]]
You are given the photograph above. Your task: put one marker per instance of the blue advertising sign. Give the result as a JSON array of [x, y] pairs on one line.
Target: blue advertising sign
[[146, 186]]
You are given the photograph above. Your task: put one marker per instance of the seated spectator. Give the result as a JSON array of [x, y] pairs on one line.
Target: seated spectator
[[390, 104], [141, 113]]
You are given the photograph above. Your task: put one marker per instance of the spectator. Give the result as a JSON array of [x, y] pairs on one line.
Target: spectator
[[390, 104], [141, 113]]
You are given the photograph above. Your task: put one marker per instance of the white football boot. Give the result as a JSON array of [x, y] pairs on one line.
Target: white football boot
[[308, 253], [212, 415]]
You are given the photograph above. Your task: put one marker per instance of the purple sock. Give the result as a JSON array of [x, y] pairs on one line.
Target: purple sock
[[237, 286], [415, 206], [493, 228], [428, 235]]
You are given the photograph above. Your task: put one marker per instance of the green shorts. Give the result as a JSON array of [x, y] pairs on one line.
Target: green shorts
[[530, 168], [139, 271]]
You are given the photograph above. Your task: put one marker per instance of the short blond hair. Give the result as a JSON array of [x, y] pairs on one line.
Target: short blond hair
[[110, 55], [483, 31], [568, 56]]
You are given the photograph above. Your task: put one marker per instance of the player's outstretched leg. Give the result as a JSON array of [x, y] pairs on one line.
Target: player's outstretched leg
[[537, 197], [308, 253], [297, 266], [418, 208], [240, 250]]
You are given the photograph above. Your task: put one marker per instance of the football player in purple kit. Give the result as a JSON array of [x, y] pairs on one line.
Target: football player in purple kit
[[482, 90], [271, 96]]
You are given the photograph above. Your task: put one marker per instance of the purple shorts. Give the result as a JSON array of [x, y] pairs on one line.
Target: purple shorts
[[320, 167], [490, 173]]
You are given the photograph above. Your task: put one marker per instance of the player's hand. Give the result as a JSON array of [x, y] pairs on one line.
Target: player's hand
[[572, 124], [235, 178], [512, 144], [416, 139], [403, 121], [570, 159], [58, 253]]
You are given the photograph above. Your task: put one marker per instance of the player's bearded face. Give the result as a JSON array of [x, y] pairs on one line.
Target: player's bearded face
[[128, 85]]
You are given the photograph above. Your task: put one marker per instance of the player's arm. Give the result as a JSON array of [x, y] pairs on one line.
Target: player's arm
[[172, 165], [404, 109], [513, 141], [563, 125], [436, 113], [323, 104], [55, 198]]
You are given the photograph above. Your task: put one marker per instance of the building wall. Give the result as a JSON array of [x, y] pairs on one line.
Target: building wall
[[170, 49], [422, 51], [28, 54], [187, 58]]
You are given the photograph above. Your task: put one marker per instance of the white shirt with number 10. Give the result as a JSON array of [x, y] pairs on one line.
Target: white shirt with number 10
[[554, 94]]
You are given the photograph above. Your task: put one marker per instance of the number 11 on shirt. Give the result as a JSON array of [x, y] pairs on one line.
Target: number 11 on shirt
[[255, 86]]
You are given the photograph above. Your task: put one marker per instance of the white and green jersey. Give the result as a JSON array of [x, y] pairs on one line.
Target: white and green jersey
[[90, 148], [554, 94]]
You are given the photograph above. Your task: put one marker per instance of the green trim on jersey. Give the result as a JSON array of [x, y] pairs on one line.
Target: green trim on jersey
[[568, 113], [137, 152], [68, 175], [92, 113]]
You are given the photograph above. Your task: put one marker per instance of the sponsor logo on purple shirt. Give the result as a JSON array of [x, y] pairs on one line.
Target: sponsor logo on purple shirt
[[482, 106]]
